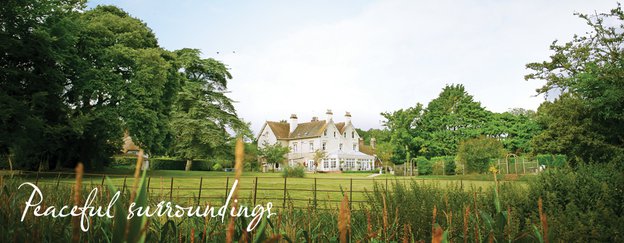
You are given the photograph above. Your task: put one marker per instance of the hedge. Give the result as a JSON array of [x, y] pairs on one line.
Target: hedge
[[164, 163], [123, 160], [552, 160], [449, 165], [423, 165]]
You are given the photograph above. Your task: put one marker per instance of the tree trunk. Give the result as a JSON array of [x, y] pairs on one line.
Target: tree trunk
[[189, 163]]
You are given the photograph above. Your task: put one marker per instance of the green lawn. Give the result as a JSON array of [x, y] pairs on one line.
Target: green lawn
[[270, 187]]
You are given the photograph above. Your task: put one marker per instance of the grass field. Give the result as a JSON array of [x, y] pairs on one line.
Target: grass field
[[327, 189]]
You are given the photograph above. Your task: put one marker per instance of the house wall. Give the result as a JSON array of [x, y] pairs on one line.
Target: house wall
[[266, 137]]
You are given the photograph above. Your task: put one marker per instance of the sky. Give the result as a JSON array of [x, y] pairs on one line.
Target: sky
[[366, 57]]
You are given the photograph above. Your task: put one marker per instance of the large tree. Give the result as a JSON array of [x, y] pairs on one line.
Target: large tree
[[36, 43], [203, 115], [406, 136], [74, 80], [450, 118], [589, 72]]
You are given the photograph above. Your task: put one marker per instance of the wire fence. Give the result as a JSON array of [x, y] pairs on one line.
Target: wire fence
[[304, 193]]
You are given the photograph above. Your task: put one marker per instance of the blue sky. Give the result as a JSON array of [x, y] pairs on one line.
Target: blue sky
[[366, 57]]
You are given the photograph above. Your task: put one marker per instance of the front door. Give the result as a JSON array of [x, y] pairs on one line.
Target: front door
[[310, 165]]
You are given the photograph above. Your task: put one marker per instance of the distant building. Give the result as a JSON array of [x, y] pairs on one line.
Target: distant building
[[342, 144]]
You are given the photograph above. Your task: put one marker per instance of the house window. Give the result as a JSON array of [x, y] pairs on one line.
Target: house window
[[334, 134], [311, 146], [325, 163], [340, 146], [333, 163], [324, 146], [354, 147], [294, 147], [325, 133], [352, 134], [350, 163]]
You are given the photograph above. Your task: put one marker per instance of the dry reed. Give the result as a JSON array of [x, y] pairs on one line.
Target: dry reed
[[344, 219], [238, 168], [77, 199]]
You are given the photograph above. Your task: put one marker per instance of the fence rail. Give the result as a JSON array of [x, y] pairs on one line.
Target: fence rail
[[261, 189]]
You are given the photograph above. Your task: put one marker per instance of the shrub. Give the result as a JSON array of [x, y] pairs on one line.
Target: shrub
[[476, 153], [424, 166], [201, 165], [296, 171], [123, 160], [217, 166], [165, 163], [582, 204], [552, 160], [447, 161]]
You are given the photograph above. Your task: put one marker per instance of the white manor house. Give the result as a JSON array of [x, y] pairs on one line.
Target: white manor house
[[343, 147]]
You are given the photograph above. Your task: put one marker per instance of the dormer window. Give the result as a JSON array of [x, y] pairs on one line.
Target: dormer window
[[352, 134], [334, 134], [340, 146], [324, 146], [325, 133]]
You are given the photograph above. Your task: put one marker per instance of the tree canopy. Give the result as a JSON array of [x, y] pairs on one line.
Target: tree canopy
[[73, 80]]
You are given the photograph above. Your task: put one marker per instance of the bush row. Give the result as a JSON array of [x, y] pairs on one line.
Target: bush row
[[293, 171], [166, 163], [552, 160], [441, 165]]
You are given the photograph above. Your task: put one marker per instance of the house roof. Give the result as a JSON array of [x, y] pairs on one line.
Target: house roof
[[367, 149], [308, 129], [280, 129], [341, 126]]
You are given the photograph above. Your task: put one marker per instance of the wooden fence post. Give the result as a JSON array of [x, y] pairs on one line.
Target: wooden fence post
[[171, 190], [255, 192], [149, 179], [37, 180], [284, 203], [315, 192], [523, 169], [351, 195], [123, 188], [227, 184], [201, 181], [103, 177], [58, 179]]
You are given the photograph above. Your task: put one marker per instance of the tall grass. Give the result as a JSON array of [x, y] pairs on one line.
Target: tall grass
[[403, 212]]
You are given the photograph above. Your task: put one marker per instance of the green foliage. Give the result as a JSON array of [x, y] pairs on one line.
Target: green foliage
[[586, 199], [165, 163], [515, 129], [124, 161], [293, 171], [273, 153], [424, 166], [552, 160], [217, 167], [447, 161], [450, 118], [203, 113], [476, 153], [380, 135], [584, 123], [404, 139], [202, 165], [73, 80]]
